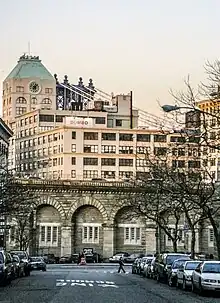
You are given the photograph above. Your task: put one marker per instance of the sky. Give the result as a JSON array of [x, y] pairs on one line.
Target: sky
[[145, 46]]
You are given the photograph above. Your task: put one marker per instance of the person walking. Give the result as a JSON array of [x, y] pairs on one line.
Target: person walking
[[121, 264]]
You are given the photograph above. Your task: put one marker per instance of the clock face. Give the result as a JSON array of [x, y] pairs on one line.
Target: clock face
[[34, 87]]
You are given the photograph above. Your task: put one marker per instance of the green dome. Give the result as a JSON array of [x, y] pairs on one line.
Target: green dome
[[30, 67]]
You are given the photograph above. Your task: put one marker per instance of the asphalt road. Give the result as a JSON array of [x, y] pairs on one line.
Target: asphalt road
[[93, 284]]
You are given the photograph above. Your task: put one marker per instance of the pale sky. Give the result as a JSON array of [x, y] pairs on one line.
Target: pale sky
[[147, 46]]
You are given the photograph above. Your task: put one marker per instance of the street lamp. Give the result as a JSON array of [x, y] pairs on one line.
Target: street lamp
[[170, 108]]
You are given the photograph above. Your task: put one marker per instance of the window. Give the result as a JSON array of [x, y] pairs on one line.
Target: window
[[108, 174], [160, 151], [143, 150], [125, 137], [19, 89], [210, 237], [60, 119], [126, 150], [73, 174], [108, 161], [21, 100], [108, 149], [109, 136], [90, 136], [73, 135], [48, 90], [48, 235], [90, 234], [143, 137], [90, 148], [46, 118], [73, 160], [90, 161], [125, 174], [89, 174], [100, 120], [160, 138], [20, 110], [132, 235], [125, 162], [73, 149], [118, 122], [142, 162], [46, 101]]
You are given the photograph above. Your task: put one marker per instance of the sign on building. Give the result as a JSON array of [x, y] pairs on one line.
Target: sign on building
[[80, 121]]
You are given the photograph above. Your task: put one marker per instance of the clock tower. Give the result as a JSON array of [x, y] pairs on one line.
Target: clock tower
[[29, 86]]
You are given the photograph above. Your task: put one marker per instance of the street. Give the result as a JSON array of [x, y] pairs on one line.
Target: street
[[93, 284]]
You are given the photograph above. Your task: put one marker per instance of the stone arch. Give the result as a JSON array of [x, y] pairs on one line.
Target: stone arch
[[47, 200], [87, 229], [130, 229], [88, 201]]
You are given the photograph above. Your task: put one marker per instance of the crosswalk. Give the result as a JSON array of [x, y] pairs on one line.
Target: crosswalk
[[86, 283]]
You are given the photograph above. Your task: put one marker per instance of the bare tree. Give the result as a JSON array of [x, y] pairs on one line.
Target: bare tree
[[206, 127]]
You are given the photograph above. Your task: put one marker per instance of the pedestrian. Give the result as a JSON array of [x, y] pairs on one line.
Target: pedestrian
[[121, 264]]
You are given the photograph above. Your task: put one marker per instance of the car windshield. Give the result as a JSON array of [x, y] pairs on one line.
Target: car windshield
[[211, 268], [35, 259], [178, 264], [21, 255], [191, 265], [172, 258]]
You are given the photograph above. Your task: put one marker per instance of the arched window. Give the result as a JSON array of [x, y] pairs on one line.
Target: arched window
[[21, 100], [46, 101]]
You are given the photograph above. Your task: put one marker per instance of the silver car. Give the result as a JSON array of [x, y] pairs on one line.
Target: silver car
[[206, 276], [184, 274]]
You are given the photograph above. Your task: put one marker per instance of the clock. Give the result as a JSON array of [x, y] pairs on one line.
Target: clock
[[34, 87]]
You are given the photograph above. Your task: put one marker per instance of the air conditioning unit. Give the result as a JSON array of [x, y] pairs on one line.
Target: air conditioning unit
[[110, 109]]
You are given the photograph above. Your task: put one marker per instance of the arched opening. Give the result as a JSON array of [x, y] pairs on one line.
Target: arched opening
[[48, 230], [87, 231], [129, 232]]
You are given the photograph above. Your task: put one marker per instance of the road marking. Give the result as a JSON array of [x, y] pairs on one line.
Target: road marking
[[84, 283], [78, 284], [61, 284], [108, 285]]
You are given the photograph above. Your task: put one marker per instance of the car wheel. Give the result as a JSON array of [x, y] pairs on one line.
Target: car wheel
[[170, 282], [200, 289], [193, 287], [184, 284]]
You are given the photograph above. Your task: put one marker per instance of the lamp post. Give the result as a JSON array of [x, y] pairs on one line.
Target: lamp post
[[167, 108]]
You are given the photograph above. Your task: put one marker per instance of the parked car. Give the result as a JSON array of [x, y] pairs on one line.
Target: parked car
[[49, 259], [37, 263], [133, 257], [23, 256], [164, 262], [143, 262], [115, 258], [184, 274], [172, 272], [135, 266], [18, 266], [206, 276], [93, 258], [6, 267], [149, 268]]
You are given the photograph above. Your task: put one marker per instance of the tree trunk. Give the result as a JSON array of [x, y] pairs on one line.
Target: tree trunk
[[174, 245], [217, 242], [193, 242]]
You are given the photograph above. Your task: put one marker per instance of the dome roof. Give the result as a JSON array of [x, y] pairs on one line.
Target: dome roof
[[30, 67]]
